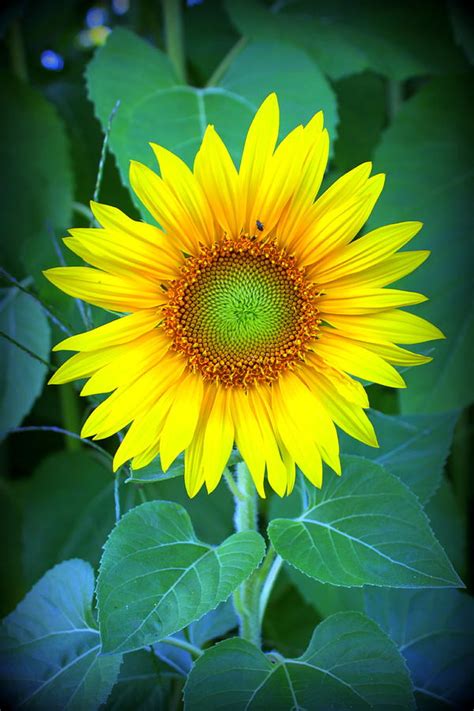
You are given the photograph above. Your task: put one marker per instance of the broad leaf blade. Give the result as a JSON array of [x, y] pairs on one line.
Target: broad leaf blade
[[349, 663], [21, 376], [50, 650], [366, 528], [78, 487], [434, 630], [37, 197], [439, 193], [412, 447], [156, 577], [155, 107]]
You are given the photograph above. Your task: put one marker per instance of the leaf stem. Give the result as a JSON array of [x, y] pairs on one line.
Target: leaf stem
[[230, 481], [183, 644], [17, 52], [60, 430], [174, 36], [224, 65], [276, 563], [103, 154]]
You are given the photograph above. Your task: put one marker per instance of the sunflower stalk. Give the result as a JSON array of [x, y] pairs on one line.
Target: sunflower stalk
[[247, 596]]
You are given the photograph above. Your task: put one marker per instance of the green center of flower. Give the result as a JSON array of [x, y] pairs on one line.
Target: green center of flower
[[241, 312]]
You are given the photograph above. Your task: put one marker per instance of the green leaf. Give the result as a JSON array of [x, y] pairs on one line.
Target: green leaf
[[359, 132], [50, 648], [366, 528], [345, 39], [326, 599], [433, 630], [78, 487], [412, 447], [21, 376], [143, 685], [349, 663], [36, 199], [216, 623], [155, 107], [438, 192], [289, 621], [156, 577], [154, 473], [449, 524], [211, 514]]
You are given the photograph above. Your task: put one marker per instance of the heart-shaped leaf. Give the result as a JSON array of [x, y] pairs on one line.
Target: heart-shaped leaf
[[156, 577], [366, 528], [50, 648], [349, 664]]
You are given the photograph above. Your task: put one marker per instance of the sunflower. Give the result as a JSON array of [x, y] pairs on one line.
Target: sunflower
[[247, 312]]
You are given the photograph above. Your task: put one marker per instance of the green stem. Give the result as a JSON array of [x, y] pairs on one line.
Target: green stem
[[273, 567], [246, 597], [182, 644], [230, 481], [70, 415], [174, 36], [226, 62], [17, 52]]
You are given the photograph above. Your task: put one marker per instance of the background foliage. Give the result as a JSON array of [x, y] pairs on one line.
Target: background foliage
[[369, 566]]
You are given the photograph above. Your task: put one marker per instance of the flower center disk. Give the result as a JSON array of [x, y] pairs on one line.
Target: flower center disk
[[241, 312]]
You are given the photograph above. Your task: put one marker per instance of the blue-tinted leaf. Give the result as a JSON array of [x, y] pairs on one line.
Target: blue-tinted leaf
[[50, 647], [349, 663]]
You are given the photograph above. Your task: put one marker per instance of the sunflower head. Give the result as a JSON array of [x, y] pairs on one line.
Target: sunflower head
[[246, 314]]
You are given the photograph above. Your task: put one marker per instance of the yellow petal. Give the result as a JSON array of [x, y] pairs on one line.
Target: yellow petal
[[397, 326], [144, 433], [310, 417], [140, 355], [386, 272], [219, 179], [119, 224], [350, 357], [367, 251], [297, 214], [350, 389], [258, 150], [182, 419], [218, 438], [134, 398], [108, 291], [276, 469], [395, 354], [248, 437], [187, 191], [194, 463], [336, 220], [120, 330], [165, 207], [301, 448], [278, 184], [349, 417], [356, 300], [82, 365]]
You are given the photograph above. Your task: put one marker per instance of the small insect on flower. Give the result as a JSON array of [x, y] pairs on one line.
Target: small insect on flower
[[236, 335]]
